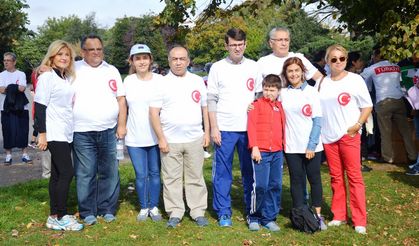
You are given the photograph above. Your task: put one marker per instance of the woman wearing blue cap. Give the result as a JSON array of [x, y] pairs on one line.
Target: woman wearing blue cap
[[141, 140]]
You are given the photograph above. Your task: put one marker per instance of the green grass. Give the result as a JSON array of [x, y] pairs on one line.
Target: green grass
[[392, 205]]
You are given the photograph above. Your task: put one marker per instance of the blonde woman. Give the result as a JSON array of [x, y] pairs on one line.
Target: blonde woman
[[54, 122], [346, 105], [141, 140]]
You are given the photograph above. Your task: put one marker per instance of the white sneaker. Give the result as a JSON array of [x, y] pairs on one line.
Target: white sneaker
[[143, 214], [336, 223], [66, 223], [155, 214], [361, 230], [207, 155]]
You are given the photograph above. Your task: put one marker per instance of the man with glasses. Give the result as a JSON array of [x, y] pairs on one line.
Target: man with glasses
[[99, 119], [181, 138], [279, 41], [14, 109], [231, 89]]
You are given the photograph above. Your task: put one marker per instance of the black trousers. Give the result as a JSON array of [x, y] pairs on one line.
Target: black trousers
[[15, 127], [299, 168], [62, 173]]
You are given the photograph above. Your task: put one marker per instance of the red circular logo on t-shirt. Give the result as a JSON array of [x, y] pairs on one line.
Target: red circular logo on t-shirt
[[250, 84], [112, 85], [344, 98], [415, 80], [196, 96], [307, 110]]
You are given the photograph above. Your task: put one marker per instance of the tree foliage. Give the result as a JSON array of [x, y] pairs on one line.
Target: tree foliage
[[12, 23], [392, 21], [128, 31]]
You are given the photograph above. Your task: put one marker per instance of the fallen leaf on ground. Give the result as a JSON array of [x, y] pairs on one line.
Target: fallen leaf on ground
[[239, 218], [133, 236], [15, 233], [247, 242]]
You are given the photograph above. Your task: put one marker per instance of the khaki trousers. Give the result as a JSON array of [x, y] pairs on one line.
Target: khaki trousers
[[182, 167], [389, 110]]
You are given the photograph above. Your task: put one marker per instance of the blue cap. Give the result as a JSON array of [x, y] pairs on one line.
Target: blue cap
[[138, 49]]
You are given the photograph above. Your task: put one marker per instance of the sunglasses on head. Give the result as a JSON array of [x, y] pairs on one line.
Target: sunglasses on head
[[341, 59]]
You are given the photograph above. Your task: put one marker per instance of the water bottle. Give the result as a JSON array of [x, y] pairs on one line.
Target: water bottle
[[119, 149]]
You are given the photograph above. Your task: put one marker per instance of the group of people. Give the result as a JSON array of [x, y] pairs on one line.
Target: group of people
[[265, 109]]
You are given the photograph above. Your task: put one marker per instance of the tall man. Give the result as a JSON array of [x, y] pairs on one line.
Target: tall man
[[279, 41], [389, 105], [99, 119], [176, 114], [230, 90], [14, 111]]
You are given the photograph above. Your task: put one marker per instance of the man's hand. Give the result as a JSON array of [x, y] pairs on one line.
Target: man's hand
[[163, 145], [121, 132], [353, 130], [206, 141], [216, 136]]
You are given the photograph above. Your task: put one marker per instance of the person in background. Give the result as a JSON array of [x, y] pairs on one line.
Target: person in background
[[389, 106], [413, 96], [355, 64], [54, 123], [181, 138], [140, 86], [14, 109], [303, 147], [346, 105]]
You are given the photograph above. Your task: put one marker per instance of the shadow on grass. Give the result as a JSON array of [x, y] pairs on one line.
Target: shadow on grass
[[406, 179]]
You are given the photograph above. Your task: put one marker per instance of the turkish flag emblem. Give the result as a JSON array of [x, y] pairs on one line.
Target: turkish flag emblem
[[196, 96], [307, 110], [250, 84], [344, 98], [112, 85]]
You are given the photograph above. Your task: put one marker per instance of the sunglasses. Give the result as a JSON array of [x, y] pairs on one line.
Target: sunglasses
[[341, 59]]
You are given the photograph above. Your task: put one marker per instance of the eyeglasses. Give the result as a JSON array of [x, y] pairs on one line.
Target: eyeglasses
[[341, 59], [93, 49], [236, 45], [280, 39], [8, 60]]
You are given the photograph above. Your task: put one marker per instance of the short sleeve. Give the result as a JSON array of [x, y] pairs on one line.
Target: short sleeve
[[44, 88]]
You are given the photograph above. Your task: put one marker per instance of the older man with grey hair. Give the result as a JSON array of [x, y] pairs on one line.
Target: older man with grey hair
[[279, 41], [14, 109]]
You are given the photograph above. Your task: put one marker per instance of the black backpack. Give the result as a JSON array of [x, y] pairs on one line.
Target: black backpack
[[303, 219]]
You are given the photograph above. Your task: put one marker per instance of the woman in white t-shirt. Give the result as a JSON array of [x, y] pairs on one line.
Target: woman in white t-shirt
[[141, 141], [54, 122], [303, 147], [346, 105]]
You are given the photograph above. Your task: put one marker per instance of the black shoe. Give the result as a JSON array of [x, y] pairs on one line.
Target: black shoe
[[381, 160], [365, 168]]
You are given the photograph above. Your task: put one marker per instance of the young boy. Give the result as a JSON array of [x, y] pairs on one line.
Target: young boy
[[265, 129]]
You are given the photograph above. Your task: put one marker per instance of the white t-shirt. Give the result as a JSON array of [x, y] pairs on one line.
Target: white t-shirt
[[341, 102], [139, 94], [95, 105], [272, 64], [181, 100], [7, 78], [234, 85], [57, 94], [386, 77], [300, 106]]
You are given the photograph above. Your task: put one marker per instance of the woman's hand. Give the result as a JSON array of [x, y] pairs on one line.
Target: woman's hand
[[310, 154], [353, 130], [42, 141]]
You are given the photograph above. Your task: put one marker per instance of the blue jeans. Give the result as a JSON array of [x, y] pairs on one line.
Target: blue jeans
[[97, 176], [267, 188], [222, 175], [146, 162]]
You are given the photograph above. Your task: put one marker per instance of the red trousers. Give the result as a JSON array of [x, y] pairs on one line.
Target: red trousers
[[343, 155]]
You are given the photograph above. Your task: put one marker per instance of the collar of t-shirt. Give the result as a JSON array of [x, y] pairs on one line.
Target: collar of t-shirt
[[58, 72], [231, 62], [302, 86]]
